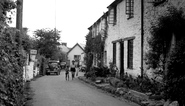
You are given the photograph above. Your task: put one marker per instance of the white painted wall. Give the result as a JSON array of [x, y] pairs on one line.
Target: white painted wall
[[30, 72], [76, 51], [126, 28]]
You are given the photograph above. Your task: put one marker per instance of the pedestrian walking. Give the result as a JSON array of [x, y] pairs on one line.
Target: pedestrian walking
[[67, 73], [77, 69], [73, 70]]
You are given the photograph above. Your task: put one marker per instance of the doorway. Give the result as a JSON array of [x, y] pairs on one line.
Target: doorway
[[121, 59]]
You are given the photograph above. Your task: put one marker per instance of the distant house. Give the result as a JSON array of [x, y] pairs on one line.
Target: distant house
[[76, 53]]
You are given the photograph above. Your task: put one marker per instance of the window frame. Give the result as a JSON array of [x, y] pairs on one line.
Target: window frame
[[114, 53], [113, 15], [130, 53], [129, 8], [77, 57]]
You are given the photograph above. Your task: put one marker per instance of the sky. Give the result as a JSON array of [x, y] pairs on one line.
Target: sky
[[72, 17]]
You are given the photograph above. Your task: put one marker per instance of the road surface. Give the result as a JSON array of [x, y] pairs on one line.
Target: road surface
[[54, 90]]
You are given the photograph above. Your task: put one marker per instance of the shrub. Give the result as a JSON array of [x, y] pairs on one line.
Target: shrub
[[90, 73], [11, 72], [176, 75], [97, 72], [144, 84], [102, 71]]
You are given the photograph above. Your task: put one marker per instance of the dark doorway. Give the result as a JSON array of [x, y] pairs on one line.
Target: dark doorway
[[121, 59]]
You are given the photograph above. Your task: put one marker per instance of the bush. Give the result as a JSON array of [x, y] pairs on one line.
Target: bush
[[102, 71], [176, 75], [167, 56], [90, 73], [11, 72], [144, 84], [97, 72]]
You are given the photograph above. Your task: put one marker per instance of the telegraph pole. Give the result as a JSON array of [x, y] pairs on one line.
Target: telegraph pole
[[55, 17], [142, 36], [19, 21]]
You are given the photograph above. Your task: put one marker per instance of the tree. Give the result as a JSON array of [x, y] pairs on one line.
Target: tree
[[27, 41], [11, 61], [47, 42], [6, 6], [89, 50], [167, 53]]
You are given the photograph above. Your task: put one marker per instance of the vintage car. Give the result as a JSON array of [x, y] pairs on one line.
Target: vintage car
[[53, 67]]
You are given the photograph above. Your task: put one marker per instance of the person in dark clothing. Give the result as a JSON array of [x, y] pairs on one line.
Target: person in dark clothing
[[73, 70], [67, 72]]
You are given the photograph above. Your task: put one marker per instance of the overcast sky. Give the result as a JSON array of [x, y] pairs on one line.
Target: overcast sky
[[73, 17]]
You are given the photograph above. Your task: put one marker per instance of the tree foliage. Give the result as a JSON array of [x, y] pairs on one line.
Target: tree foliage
[[11, 61], [6, 6], [176, 74], [88, 50], [94, 46], [160, 42], [166, 57], [47, 42], [11, 74]]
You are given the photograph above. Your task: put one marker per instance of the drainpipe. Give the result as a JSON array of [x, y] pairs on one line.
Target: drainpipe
[[142, 35]]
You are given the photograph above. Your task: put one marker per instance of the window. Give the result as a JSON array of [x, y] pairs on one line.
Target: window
[[130, 8], [130, 54], [114, 53], [76, 57], [113, 15]]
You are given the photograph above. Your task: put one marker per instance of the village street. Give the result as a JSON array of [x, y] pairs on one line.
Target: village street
[[53, 90]]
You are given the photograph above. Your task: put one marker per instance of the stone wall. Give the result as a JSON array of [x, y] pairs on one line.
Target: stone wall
[[152, 14]]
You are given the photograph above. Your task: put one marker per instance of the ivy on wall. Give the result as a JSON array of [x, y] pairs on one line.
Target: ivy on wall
[[94, 47], [166, 53]]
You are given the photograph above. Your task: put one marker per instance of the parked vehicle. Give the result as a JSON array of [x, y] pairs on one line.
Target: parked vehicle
[[83, 68], [53, 68]]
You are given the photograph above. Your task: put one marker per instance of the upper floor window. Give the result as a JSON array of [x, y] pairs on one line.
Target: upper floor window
[[113, 15], [130, 8], [77, 57]]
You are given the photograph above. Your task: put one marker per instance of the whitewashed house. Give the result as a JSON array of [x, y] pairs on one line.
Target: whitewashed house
[[76, 53], [124, 44], [127, 24], [122, 22]]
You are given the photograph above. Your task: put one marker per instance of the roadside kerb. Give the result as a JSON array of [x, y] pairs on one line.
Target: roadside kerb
[[113, 91]]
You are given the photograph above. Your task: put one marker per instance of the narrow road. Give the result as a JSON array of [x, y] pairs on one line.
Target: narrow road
[[54, 90]]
